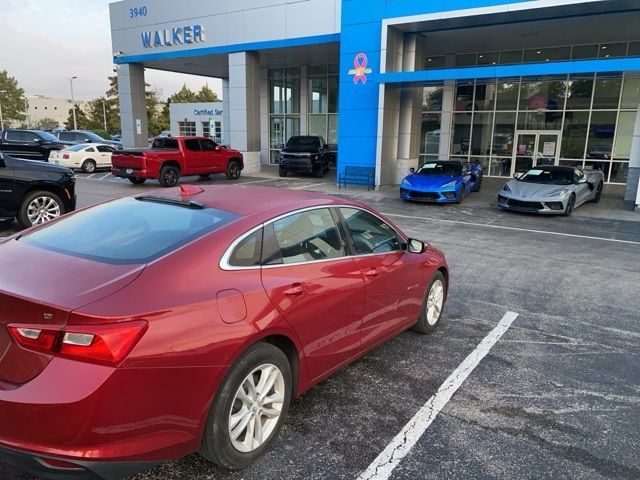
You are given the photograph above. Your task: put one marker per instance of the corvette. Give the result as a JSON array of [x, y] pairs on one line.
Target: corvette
[[150, 327], [442, 182]]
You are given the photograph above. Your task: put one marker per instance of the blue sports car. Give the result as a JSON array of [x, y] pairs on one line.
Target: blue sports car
[[442, 182]]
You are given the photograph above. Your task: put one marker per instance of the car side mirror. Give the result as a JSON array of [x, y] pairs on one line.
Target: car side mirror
[[37, 140], [416, 246], [583, 180], [87, 140], [517, 175], [412, 170]]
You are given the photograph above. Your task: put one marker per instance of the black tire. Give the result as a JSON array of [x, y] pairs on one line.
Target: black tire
[[89, 166], [461, 196], [596, 199], [233, 170], [137, 181], [423, 325], [571, 203], [319, 174], [204, 177], [169, 176], [216, 445], [478, 185], [23, 211], [282, 173]]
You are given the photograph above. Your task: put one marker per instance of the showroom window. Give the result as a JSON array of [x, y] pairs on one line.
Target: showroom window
[[430, 129], [284, 108], [322, 115], [187, 129]]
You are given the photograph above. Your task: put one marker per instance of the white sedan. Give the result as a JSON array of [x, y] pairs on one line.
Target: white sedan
[[87, 157]]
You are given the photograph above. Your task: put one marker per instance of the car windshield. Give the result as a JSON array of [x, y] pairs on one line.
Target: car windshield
[[128, 231], [77, 148], [440, 168], [549, 176], [47, 136], [304, 142]]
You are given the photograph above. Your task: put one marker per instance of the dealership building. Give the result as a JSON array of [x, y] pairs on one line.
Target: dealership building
[[395, 83]]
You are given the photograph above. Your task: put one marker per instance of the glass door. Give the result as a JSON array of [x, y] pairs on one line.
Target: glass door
[[535, 148]]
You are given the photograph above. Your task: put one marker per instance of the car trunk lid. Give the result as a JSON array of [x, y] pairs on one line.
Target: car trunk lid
[[128, 159]]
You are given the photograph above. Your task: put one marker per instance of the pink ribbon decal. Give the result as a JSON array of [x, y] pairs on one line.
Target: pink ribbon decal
[[360, 69]]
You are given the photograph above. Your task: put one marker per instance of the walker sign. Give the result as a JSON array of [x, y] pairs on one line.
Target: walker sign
[[173, 36]]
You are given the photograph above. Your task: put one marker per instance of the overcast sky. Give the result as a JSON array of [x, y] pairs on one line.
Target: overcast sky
[[44, 41]]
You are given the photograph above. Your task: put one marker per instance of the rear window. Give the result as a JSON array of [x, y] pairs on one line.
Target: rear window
[[77, 148], [166, 143], [128, 231]]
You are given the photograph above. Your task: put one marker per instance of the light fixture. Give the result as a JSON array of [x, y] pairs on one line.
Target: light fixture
[[119, 53], [481, 56], [539, 52]]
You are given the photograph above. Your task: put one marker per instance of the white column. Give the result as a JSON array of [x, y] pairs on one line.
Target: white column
[[632, 190], [244, 107], [265, 108], [448, 99], [225, 112], [304, 99], [133, 106]]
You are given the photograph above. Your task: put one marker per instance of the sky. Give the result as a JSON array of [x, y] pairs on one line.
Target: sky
[[44, 41]]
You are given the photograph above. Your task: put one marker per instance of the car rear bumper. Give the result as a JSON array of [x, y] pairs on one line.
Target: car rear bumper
[[130, 173], [429, 197]]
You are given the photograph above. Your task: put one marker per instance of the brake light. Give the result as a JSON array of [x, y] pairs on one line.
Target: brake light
[[65, 156], [95, 343]]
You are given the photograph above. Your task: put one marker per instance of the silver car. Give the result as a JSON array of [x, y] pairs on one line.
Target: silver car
[[551, 190]]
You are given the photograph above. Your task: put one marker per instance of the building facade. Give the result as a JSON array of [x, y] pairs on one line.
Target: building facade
[[394, 83], [40, 107], [201, 119]]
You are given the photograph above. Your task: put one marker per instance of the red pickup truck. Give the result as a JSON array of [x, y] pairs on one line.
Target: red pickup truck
[[169, 158]]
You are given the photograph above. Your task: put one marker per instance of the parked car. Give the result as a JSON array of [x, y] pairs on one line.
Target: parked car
[[164, 133], [85, 136], [116, 137], [172, 157], [83, 156], [442, 182], [29, 144], [304, 154], [34, 192], [188, 320], [551, 190]]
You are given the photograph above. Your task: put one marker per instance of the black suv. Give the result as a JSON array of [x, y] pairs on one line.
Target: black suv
[[29, 144], [34, 192], [305, 154], [85, 136]]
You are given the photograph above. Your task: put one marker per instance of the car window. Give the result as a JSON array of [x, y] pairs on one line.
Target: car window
[[248, 251], [208, 145], [90, 149], [66, 136], [307, 236], [16, 136], [192, 145], [165, 143], [369, 233], [105, 149]]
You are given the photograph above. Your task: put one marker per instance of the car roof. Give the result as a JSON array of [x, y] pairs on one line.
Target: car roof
[[556, 168], [247, 200]]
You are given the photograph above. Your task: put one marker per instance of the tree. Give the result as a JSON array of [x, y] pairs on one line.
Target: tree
[[82, 120], [155, 117], [12, 100], [46, 124], [206, 95]]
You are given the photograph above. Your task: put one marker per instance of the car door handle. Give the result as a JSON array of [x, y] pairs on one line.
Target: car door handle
[[372, 272], [295, 289]]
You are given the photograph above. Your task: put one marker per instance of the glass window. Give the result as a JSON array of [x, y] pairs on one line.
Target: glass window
[[192, 145], [464, 96], [601, 131], [579, 91], [165, 143], [333, 94], [66, 136], [318, 95], [546, 120], [317, 70], [461, 134], [485, 95], [619, 172], [317, 125], [500, 166], [308, 236], [582, 52], [630, 92], [507, 96], [105, 149], [128, 231], [490, 58], [574, 134], [206, 129], [187, 129], [467, 60], [624, 135], [90, 149], [607, 92], [611, 50], [430, 133], [435, 62], [332, 134], [503, 133], [537, 55], [603, 166], [510, 57], [369, 233], [542, 93], [72, 148], [432, 97], [248, 252], [481, 137], [207, 145], [634, 49]]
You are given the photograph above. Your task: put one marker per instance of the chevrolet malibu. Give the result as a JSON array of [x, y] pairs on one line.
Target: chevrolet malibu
[[150, 327]]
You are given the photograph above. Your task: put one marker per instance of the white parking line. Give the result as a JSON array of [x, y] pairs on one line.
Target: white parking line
[[302, 187], [89, 176], [401, 445], [256, 181], [504, 227], [107, 175]]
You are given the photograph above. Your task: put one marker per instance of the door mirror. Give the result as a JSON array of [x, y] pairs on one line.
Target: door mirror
[[583, 179], [37, 140], [412, 170], [416, 246], [517, 175], [87, 140]]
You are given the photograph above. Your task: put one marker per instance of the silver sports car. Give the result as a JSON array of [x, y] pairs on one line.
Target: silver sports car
[[551, 190]]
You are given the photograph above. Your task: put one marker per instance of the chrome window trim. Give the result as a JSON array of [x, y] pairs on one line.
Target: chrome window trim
[[224, 261]]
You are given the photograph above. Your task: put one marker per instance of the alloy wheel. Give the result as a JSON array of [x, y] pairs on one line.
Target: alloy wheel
[[256, 408], [435, 300], [42, 209]]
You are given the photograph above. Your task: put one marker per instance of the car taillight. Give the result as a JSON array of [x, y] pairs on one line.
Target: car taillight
[[65, 156], [95, 343]]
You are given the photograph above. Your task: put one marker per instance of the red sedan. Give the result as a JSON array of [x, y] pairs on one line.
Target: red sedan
[[147, 328]]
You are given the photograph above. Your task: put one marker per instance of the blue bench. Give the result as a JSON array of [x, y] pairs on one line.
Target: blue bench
[[363, 175]]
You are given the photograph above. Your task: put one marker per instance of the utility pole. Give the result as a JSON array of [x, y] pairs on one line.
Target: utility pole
[[104, 115], [73, 101], [1, 119]]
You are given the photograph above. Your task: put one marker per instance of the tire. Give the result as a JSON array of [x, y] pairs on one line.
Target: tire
[[169, 176], [217, 445], [478, 185], [319, 174], [137, 181], [233, 170], [40, 207], [427, 322], [282, 173], [204, 177], [596, 199], [461, 196], [88, 166], [570, 205]]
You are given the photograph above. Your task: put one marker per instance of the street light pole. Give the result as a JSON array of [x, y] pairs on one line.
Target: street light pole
[[104, 115], [73, 101], [1, 119]]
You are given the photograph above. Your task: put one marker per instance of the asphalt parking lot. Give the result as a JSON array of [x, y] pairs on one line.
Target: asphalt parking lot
[[556, 396]]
